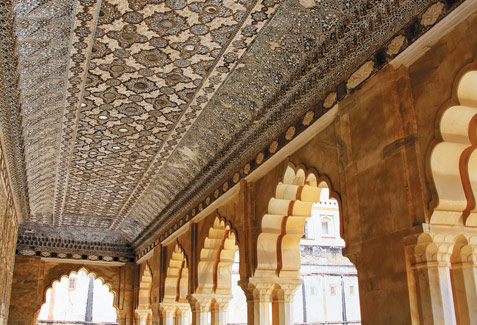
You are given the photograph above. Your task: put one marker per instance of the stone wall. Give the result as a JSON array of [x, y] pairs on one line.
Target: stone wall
[[33, 276], [376, 155], [9, 221]]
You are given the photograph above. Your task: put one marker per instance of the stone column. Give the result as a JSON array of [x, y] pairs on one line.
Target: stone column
[[464, 281], [156, 314], [219, 309], [167, 313], [184, 309], [282, 304], [432, 274], [200, 307], [258, 293], [143, 315]]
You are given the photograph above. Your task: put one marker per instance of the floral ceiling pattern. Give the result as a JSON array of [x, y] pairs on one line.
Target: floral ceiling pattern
[[126, 104]]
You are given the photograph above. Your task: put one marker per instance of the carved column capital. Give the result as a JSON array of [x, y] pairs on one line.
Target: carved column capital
[[167, 308], [199, 302], [143, 313], [256, 289], [432, 248], [261, 289]]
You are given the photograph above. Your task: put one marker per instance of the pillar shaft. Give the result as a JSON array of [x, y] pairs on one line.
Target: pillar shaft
[[220, 308], [144, 315], [464, 281], [219, 317], [200, 317], [168, 318], [259, 293], [283, 312], [258, 311], [183, 319], [435, 293], [200, 307]]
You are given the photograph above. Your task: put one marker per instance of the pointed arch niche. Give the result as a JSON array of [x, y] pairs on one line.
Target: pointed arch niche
[[454, 160], [66, 299]]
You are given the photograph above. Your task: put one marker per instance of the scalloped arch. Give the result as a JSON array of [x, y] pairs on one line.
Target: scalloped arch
[[454, 160], [76, 271], [176, 284], [216, 259], [145, 288], [278, 245]]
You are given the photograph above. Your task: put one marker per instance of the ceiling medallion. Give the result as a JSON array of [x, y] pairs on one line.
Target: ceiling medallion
[[117, 68], [210, 9], [127, 36], [190, 48], [140, 85], [109, 95], [167, 23], [152, 57]]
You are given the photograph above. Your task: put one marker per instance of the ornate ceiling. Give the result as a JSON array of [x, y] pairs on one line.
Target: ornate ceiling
[[129, 108]]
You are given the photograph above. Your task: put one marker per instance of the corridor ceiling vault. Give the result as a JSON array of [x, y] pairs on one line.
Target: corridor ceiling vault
[[124, 114]]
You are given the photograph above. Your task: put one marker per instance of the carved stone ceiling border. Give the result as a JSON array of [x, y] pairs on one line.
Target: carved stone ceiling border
[[127, 106]]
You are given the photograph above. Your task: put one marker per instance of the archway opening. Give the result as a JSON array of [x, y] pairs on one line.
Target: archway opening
[[174, 308], [300, 254], [329, 281], [78, 298], [215, 288], [237, 312]]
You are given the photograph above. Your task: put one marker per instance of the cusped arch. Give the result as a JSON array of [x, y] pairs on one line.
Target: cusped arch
[[176, 285], [216, 259], [145, 288], [454, 160], [76, 270], [278, 244]]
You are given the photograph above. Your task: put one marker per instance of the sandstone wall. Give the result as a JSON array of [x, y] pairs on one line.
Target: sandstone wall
[[33, 276], [376, 156]]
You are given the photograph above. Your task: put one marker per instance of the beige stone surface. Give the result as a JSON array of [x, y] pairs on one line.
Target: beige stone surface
[[33, 276]]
